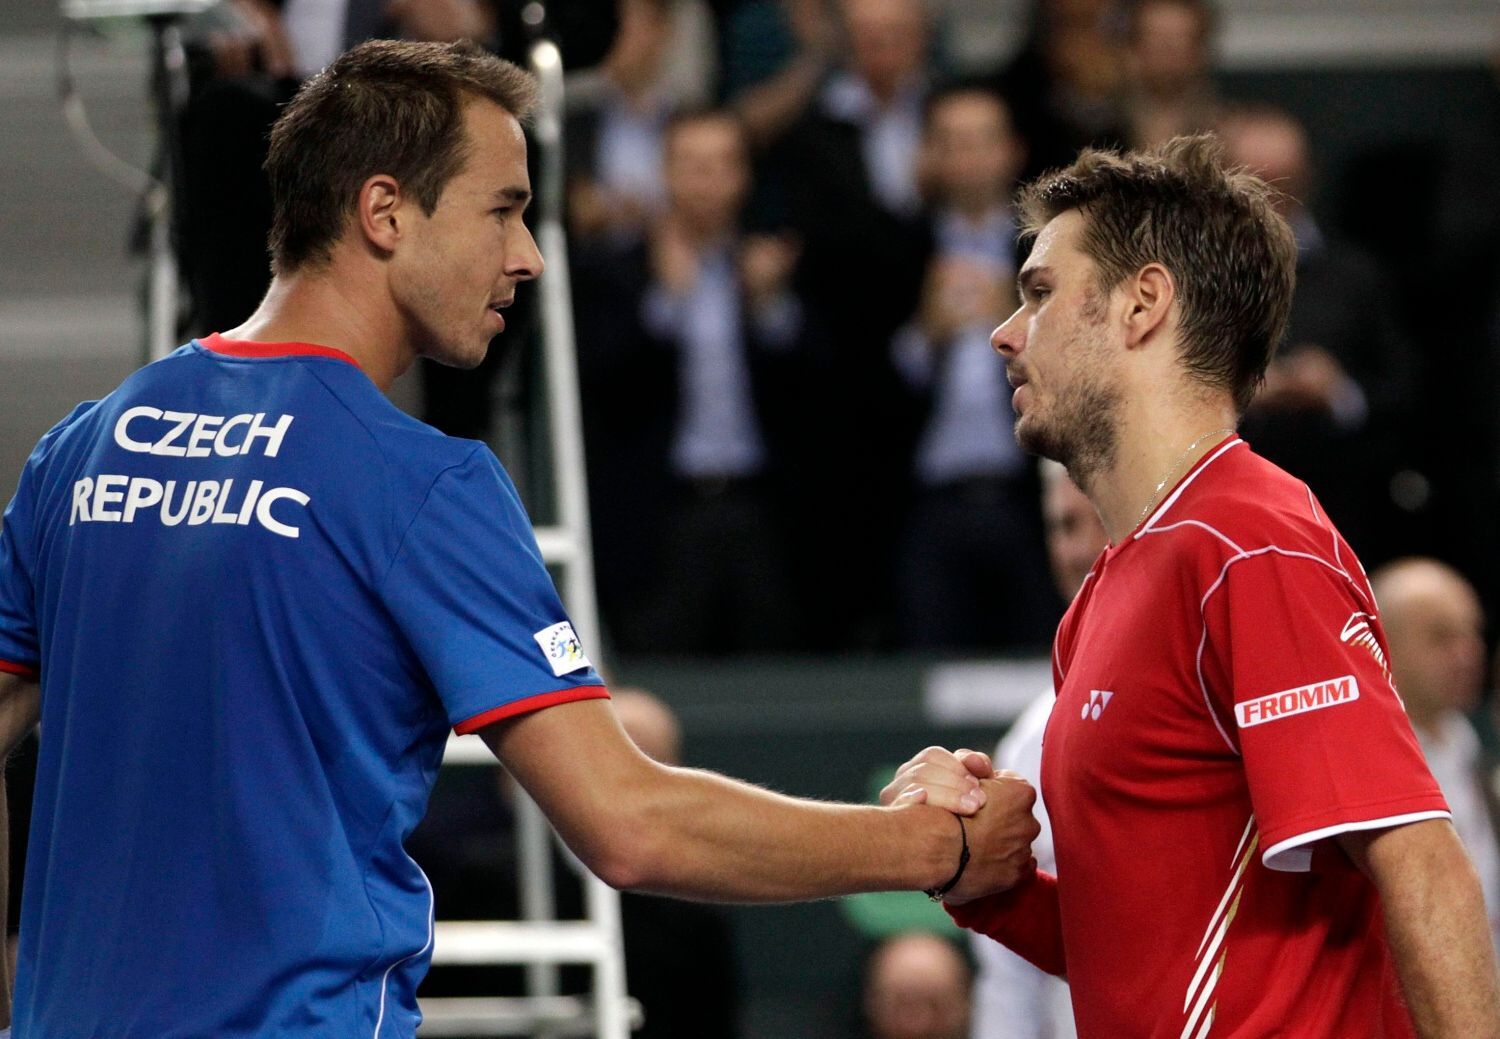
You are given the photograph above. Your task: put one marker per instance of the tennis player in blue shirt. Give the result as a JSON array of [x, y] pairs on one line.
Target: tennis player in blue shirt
[[249, 598]]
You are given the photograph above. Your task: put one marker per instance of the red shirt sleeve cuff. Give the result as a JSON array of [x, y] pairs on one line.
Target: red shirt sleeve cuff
[[1026, 920], [529, 704], [18, 669]]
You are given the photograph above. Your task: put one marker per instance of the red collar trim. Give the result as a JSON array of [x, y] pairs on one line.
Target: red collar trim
[[245, 348]]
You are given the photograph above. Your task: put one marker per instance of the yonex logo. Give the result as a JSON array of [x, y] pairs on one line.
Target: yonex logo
[[1290, 702], [1098, 700]]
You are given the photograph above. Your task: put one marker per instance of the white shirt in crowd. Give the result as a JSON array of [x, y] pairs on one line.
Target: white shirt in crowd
[[1453, 753], [1012, 999]]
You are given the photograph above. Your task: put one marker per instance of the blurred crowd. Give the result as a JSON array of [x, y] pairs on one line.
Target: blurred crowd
[[790, 236], [787, 264]]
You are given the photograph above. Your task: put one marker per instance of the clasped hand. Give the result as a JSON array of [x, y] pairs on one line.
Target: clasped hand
[[997, 808]]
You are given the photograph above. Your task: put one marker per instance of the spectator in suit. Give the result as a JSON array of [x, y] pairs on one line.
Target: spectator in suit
[[776, 55], [617, 114], [1340, 389], [1065, 82], [971, 574], [1169, 56], [849, 167], [689, 346], [917, 987], [1434, 627]]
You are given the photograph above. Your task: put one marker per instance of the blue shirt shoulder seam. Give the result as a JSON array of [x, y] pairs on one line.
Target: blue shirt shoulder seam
[[421, 507]]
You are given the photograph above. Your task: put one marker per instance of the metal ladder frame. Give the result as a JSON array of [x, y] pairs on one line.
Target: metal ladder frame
[[539, 940], [161, 187]]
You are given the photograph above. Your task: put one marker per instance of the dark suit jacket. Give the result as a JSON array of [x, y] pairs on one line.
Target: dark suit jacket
[[861, 275], [1342, 305], [631, 396]]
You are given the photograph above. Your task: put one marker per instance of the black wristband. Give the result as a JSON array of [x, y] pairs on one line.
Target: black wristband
[[937, 893]]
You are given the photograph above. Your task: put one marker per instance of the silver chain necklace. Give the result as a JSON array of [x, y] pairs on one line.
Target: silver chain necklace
[[1156, 494]]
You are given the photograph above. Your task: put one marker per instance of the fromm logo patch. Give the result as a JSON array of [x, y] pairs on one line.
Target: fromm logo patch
[[1291, 702]]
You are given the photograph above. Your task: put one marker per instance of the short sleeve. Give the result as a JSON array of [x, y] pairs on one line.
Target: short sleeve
[[20, 651], [1300, 662], [20, 535], [468, 589]]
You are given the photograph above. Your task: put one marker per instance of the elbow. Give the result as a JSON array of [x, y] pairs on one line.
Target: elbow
[[632, 853], [619, 867], [629, 862]]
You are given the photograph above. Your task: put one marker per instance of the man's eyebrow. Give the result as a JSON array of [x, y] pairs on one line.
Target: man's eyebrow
[[514, 196], [1028, 277]]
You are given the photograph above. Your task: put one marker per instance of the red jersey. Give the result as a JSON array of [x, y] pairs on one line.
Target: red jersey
[[1223, 708]]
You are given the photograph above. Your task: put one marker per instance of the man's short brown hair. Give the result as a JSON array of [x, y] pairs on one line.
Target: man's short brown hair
[[1232, 256], [384, 107]]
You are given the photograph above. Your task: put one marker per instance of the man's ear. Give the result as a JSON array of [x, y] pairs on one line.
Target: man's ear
[[1150, 294], [380, 215]]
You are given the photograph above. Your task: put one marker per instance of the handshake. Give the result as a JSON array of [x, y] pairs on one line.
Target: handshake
[[998, 827]]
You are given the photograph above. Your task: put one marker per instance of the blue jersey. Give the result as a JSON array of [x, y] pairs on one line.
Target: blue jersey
[[257, 596]]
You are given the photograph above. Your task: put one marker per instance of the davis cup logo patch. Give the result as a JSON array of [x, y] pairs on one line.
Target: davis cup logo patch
[[562, 649]]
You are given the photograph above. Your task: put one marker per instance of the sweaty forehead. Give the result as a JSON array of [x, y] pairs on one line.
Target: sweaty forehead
[[1057, 242]]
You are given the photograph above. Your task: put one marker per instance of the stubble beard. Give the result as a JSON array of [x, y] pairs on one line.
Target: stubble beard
[[450, 348], [434, 329], [1084, 437], [465, 358], [1084, 433]]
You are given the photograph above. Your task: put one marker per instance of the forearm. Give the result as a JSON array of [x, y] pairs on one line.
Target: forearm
[[642, 825], [769, 107], [1437, 929], [703, 835], [5, 978], [1026, 920], [20, 704]]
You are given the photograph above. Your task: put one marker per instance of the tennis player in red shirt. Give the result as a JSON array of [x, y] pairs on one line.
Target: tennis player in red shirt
[[1249, 843]]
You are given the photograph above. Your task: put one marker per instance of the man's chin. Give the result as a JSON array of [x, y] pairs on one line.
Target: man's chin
[[463, 358], [1032, 438]]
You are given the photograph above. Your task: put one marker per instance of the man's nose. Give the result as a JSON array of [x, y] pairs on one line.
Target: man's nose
[[525, 261], [1010, 337]]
